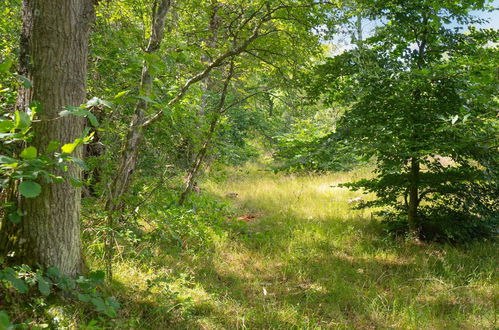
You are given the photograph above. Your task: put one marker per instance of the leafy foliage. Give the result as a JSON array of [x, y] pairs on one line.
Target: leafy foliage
[[422, 104], [36, 285], [312, 148]]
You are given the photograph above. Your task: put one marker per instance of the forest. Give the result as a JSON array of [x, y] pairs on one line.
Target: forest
[[249, 164]]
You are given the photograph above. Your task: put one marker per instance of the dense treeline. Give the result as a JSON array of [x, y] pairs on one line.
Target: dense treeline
[[114, 112]]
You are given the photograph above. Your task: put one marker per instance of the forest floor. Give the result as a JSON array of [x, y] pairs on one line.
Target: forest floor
[[301, 258]]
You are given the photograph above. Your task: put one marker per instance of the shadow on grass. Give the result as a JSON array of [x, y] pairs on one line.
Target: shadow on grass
[[286, 271]]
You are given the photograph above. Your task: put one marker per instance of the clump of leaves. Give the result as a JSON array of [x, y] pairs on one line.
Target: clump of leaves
[[309, 147], [192, 227], [22, 284]]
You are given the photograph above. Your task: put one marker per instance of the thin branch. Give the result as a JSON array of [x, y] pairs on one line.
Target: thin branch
[[233, 104], [203, 74]]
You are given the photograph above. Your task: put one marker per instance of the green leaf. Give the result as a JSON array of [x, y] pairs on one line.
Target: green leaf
[[44, 285], [18, 284], [99, 304], [69, 110], [5, 65], [93, 120], [29, 153], [97, 276], [26, 82], [6, 125], [69, 147], [4, 321], [57, 179], [53, 272], [107, 104], [83, 297], [113, 303], [7, 160], [53, 146], [75, 182], [30, 189], [88, 137], [15, 217], [120, 94], [21, 120], [75, 111], [11, 165]]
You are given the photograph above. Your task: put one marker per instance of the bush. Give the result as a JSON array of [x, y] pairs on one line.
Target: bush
[[444, 225], [36, 292], [195, 226]]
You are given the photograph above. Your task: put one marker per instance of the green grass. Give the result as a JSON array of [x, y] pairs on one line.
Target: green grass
[[308, 261]]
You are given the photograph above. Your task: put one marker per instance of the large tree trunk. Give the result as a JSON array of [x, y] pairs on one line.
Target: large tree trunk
[[55, 39]]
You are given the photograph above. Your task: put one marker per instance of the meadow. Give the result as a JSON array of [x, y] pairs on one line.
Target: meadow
[[291, 253]]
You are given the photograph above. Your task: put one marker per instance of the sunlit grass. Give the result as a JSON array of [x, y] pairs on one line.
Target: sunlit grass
[[309, 261]]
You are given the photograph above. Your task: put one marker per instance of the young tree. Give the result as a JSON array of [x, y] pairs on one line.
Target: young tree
[[54, 50], [422, 104]]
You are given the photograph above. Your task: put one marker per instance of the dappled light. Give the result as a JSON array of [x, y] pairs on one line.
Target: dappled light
[[249, 164]]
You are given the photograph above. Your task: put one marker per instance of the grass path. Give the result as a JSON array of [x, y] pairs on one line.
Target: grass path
[[307, 261]]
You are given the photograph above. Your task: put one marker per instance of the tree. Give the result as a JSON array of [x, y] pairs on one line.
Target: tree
[[422, 104], [245, 26], [54, 50]]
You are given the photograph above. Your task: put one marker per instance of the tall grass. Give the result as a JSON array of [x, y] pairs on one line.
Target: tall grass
[[305, 260]]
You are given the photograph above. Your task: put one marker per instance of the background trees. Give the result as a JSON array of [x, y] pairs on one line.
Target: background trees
[[272, 38]]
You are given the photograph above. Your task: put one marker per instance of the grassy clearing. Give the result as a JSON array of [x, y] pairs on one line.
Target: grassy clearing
[[306, 261]]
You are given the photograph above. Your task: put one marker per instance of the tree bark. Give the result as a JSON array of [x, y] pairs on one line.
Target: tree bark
[[55, 50], [198, 161]]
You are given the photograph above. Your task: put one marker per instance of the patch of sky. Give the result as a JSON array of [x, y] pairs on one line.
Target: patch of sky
[[344, 39]]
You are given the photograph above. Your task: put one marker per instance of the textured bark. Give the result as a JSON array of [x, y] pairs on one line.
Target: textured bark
[[198, 161], [414, 198], [24, 94], [55, 49]]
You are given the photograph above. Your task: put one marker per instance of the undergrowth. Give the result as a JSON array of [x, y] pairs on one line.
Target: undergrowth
[[286, 252]]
